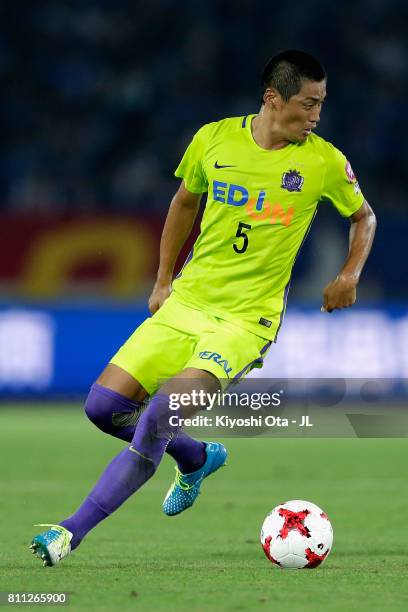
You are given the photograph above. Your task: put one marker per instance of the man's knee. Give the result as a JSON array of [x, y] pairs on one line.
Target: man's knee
[[111, 412], [114, 402], [97, 408]]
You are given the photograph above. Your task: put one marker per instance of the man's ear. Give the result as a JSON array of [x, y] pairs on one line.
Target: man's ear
[[271, 97]]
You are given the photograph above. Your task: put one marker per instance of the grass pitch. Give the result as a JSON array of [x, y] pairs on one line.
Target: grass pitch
[[208, 558]]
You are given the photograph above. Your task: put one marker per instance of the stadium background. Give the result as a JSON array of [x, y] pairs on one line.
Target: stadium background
[[100, 99]]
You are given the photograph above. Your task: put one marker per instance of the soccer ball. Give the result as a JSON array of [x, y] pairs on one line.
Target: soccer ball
[[297, 535]]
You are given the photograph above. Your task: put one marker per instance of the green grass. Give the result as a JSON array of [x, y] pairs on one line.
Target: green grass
[[208, 558]]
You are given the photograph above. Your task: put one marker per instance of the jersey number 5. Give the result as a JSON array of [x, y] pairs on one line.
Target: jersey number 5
[[241, 234]]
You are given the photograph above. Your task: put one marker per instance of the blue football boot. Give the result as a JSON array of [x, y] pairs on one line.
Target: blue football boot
[[53, 545], [186, 487]]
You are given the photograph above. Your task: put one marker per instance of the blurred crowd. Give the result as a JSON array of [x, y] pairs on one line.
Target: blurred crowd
[[100, 98]]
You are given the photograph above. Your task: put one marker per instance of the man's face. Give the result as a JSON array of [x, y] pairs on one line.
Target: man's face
[[297, 117]]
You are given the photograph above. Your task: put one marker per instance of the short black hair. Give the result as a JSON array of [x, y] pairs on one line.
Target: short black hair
[[285, 72]]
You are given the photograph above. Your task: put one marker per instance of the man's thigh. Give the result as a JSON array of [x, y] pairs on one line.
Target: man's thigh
[[177, 337], [228, 352], [159, 348]]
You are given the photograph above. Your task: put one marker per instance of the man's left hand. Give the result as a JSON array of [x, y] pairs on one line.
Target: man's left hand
[[340, 293]]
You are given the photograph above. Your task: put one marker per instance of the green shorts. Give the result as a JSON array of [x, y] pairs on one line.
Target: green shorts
[[178, 337]]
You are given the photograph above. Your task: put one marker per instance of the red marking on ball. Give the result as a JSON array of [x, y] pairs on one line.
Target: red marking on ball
[[314, 559], [293, 521], [267, 550]]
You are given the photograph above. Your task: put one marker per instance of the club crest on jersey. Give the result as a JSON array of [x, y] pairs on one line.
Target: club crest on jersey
[[292, 180]]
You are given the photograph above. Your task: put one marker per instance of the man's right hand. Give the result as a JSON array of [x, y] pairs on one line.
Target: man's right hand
[[160, 293]]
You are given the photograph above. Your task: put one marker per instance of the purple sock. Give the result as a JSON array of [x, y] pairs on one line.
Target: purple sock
[[189, 453], [128, 471], [123, 476], [117, 415]]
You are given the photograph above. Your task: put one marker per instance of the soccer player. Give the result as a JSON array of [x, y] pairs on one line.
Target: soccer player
[[265, 175]]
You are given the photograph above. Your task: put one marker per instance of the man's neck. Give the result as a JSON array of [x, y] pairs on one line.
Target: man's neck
[[265, 132]]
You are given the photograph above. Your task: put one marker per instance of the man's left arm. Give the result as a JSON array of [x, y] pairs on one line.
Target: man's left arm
[[341, 292]]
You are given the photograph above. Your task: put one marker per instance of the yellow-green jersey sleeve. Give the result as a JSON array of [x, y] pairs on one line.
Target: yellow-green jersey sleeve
[[340, 184], [191, 168]]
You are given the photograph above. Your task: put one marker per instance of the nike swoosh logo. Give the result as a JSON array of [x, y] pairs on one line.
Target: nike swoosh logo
[[217, 166], [140, 454]]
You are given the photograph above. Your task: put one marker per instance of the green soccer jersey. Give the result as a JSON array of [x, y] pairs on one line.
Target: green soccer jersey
[[260, 206]]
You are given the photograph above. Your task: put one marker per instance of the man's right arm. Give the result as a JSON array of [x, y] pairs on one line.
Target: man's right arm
[[180, 219]]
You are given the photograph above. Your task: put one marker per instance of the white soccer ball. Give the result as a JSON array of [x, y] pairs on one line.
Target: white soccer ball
[[297, 535]]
